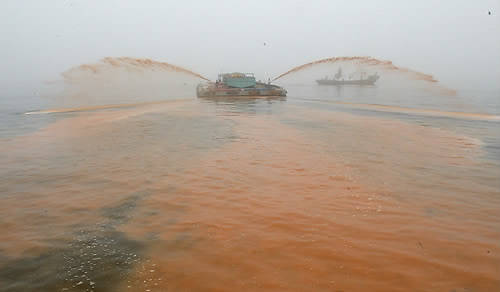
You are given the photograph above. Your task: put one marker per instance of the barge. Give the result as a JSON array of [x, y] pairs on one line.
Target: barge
[[238, 84]]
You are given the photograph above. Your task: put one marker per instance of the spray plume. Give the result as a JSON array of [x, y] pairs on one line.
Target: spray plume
[[131, 63], [385, 65]]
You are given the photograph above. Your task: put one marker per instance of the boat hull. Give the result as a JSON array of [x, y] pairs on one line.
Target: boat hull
[[261, 89]]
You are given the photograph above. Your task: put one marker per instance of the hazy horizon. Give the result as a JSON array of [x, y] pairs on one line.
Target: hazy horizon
[[455, 41]]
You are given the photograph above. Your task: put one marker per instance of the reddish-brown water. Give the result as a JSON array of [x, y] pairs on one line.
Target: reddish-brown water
[[250, 195]]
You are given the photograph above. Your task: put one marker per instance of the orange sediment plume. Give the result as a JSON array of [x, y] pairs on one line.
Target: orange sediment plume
[[128, 62], [271, 210], [281, 204], [383, 64], [419, 111], [101, 107]]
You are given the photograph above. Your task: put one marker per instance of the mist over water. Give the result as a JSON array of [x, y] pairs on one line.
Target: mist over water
[[124, 80], [385, 65], [357, 65], [125, 181], [130, 64]]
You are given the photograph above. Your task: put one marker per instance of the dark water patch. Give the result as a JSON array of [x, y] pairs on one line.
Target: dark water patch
[[482, 130], [13, 121], [13, 124], [97, 258], [93, 261], [121, 213]]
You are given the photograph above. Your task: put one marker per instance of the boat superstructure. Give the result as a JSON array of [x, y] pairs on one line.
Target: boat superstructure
[[339, 79], [238, 84]]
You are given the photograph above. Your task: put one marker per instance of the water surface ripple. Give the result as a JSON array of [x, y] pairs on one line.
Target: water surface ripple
[[305, 193]]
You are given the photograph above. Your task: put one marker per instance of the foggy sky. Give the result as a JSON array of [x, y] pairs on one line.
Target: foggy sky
[[456, 41]]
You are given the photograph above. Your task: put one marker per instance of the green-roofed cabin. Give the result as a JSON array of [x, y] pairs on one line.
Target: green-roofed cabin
[[238, 80], [238, 84]]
